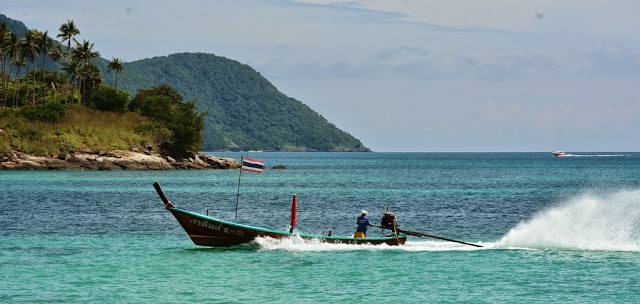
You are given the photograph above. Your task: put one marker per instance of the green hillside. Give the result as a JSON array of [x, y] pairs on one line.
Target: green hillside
[[244, 111]]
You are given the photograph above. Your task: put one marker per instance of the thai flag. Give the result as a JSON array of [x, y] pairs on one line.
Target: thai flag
[[252, 165]]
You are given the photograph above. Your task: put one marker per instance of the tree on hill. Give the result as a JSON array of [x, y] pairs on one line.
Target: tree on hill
[[186, 125], [163, 90], [67, 31], [116, 64], [5, 36], [44, 44], [106, 98], [165, 106], [19, 62], [72, 69], [56, 55], [157, 107], [30, 49], [84, 52], [91, 79]]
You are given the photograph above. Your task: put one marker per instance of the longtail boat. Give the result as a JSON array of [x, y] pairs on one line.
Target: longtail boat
[[208, 231]]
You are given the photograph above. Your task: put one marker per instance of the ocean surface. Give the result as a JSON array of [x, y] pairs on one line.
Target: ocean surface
[[554, 230]]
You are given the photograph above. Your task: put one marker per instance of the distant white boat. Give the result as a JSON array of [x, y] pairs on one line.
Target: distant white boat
[[559, 153]]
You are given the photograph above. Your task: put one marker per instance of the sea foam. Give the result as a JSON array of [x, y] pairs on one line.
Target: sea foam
[[295, 243], [590, 221]]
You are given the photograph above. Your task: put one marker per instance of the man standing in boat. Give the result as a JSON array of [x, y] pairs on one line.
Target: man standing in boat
[[363, 224]]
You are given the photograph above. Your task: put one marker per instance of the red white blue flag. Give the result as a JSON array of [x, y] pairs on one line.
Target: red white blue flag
[[252, 165]]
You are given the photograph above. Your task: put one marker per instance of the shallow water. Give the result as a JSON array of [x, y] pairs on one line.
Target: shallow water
[[554, 229]]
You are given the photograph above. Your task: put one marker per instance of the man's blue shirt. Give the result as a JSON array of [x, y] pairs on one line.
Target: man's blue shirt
[[363, 223]]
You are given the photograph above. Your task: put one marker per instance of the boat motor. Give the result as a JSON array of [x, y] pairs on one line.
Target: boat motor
[[389, 221]]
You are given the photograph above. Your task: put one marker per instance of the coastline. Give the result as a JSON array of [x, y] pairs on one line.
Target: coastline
[[112, 160]]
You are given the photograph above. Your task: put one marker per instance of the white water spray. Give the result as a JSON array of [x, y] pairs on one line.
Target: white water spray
[[595, 155], [609, 222], [297, 244], [599, 222]]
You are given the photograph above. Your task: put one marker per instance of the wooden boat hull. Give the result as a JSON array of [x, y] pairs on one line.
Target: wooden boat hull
[[207, 231]]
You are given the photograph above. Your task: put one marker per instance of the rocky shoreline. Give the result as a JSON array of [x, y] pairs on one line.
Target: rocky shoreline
[[113, 160]]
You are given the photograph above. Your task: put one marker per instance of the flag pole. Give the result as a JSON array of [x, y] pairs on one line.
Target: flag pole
[[238, 194]]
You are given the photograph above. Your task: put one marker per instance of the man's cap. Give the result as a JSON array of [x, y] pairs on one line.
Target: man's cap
[[363, 212]]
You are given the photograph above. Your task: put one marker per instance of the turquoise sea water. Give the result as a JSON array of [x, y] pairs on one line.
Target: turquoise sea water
[[555, 229]]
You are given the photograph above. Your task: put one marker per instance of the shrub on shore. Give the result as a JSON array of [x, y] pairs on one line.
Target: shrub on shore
[[50, 112], [106, 98], [173, 117]]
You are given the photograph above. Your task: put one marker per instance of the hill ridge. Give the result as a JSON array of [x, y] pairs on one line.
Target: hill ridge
[[244, 111]]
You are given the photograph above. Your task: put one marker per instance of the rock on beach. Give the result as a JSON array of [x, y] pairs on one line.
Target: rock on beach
[[114, 160]]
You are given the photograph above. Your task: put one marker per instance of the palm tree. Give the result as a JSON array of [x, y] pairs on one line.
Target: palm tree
[[116, 64], [84, 51], [30, 47], [11, 47], [91, 79], [67, 31], [56, 55], [27, 52], [4, 36], [19, 62], [44, 43], [72, 68]]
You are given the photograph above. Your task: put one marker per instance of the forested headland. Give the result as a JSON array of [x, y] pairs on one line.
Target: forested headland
[[60, 95], [48, 112]]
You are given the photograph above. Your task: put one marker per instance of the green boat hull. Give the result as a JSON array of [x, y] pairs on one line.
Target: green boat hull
[[208, 231]]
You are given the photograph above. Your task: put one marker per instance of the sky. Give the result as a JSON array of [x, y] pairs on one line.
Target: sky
[[405, 75]]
